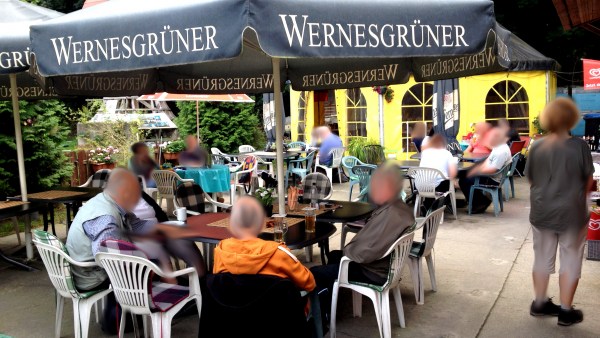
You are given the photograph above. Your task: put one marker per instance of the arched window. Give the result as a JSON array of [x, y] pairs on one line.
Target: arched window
[[508, 100], [356, 114], [302, 117], [417, 106]]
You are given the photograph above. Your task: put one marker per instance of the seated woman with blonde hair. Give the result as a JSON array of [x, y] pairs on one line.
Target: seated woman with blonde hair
[[437, 157]]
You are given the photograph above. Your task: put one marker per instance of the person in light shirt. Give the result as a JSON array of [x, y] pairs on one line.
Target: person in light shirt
[[437, 157]]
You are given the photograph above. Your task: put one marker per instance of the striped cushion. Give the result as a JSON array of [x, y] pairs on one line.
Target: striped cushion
[[49, 239], [322, 184], [163, 296]]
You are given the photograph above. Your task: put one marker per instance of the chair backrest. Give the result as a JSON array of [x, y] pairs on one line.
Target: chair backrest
[[513, 166], [398, 253], [348, 162], [322, 183], [100, 178], [215, 151], [190, 196], [425, 180], [218, 159], [337, 155], [430, 228], [165, 182], [246, 148], [297, 144], [527, 140], [249, 162], [516, 147], [129, 272], [374, 154], [54, 255], [310, 157], [363, 172]]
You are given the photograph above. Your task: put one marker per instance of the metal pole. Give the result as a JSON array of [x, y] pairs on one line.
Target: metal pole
[[197, 123], [381, 136], [20, 160], [279, 134]]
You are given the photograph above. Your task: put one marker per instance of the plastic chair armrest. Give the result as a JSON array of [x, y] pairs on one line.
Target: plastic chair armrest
[[343, 272], [193, 213], [87, 183]]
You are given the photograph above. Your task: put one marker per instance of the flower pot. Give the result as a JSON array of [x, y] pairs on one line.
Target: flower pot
[[268, 210], [171, 156], [99, 166]]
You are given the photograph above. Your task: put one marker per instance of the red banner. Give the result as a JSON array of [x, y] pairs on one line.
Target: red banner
[[591, 74]]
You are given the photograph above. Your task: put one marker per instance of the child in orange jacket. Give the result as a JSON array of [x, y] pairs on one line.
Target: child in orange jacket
[[245, 253]]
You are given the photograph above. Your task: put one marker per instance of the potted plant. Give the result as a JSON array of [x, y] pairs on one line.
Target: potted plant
[[265, 196], [173, 149], [538, 127], [102, 158]]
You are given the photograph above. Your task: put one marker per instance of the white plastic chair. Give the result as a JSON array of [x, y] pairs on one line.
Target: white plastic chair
[[425, 181], [153, 192], [235, 185], [130, 277], [58, 265], [166, 182], [380, 295], [336, 163], [217, 151], [424, 249], [250, 149]]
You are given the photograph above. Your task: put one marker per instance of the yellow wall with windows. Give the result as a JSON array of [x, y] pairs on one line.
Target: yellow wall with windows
[[472, 95]]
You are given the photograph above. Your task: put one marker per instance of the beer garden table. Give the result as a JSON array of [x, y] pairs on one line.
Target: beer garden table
[[10, 209], [212, 180]]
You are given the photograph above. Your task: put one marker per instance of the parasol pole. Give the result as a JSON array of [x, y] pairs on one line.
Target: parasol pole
[[279, 134], [20, 160], [197, 123]]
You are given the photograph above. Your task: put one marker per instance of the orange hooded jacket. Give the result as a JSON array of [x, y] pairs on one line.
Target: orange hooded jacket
[[257, 256]]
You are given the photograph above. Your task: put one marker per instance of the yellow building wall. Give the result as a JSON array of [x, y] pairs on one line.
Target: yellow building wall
[[540, 88], [309, 114]]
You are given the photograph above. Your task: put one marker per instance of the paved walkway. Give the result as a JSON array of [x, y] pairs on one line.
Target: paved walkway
[[483, 268]]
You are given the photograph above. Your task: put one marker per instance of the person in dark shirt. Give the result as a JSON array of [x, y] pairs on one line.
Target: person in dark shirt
[[387, 223], [141, 164], [511, 134], [194, 155]]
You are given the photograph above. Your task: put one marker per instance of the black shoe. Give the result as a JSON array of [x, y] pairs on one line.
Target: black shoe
[[569, 317], [546, 309]]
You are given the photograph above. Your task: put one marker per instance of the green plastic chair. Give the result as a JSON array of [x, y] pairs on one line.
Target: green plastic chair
[[348, 162], [495, 191], [297, 144], [510, 177], [300, 167]]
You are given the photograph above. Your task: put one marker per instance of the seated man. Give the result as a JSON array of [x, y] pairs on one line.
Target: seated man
[[109, 216], [385, 225], [499, 157], [329, 141], [194, 155], [245, 253]]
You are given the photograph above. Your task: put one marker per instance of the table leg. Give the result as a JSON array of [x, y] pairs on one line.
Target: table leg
[[68, 205], [28, 238], [45, 218], [207, 251], [51, 210]]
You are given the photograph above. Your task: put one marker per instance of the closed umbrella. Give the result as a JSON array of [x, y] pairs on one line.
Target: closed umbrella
[[16, 17], [252, 46]]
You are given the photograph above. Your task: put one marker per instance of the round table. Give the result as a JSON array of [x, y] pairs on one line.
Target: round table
[[212, 180], [197, 229], [347, 212]]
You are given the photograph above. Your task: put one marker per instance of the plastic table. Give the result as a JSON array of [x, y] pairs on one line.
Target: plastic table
[[212, 180]]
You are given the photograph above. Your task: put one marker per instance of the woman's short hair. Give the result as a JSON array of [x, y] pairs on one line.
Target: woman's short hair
[[138, 146], [559, 114], [437, 141]]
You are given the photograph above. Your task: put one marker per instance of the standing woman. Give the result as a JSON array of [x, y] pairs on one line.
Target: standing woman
[[559, 169]]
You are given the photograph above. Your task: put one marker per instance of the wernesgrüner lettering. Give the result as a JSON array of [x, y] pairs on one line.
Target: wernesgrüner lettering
[[27, 92], [103, 83], [14, 59], [385, 74], [485, 59], [265, 81], [168, 41], [303, 32]]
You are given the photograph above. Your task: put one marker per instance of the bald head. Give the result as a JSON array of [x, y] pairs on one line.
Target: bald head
[[482, 127], [247, 218], [123, 187], [386, 184]]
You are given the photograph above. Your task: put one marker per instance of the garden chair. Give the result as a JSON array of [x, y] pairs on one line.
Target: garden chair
[[516, 147], [189, 195], [300, 167], [425, 182], [510, 176], [336, 162], [348, 162], [130, 273], [380, 295], [166, 182], [245, 178], [424, 249], [495, 191], [58, 265], [216, 151], [297, 144], [250, 149], [97, 180]]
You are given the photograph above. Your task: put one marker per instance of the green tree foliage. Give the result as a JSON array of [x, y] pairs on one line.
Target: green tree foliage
[[44, 134], [223, 125]]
